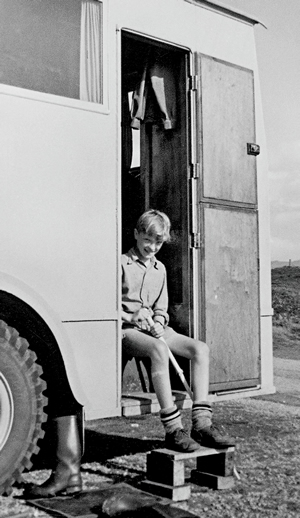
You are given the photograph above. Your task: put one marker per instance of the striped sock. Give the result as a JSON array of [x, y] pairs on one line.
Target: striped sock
[[201, 415], [171, 419]]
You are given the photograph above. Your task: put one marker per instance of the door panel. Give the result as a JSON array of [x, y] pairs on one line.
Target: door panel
[[231, 294], [226, 200], [227, 106]]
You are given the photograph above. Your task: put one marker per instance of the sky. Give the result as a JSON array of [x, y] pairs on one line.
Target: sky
[[278, 54]]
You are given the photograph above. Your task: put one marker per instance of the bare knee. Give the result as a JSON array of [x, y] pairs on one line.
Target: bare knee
[[201, 350], [159, 353]]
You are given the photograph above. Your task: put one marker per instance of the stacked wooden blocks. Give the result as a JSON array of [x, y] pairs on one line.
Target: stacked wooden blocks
[[166, 471]]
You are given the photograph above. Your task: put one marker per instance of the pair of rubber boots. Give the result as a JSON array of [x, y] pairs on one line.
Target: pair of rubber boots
[[66, 476]]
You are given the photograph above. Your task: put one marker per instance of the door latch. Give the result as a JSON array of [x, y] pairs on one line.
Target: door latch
[[253, 149]]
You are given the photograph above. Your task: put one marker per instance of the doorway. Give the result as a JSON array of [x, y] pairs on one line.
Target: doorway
[[155, 156]]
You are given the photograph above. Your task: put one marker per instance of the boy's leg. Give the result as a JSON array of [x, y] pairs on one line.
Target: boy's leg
[[143, 345], [198, 352]]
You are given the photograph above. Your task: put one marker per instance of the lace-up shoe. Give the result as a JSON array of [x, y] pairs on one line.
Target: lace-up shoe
[[211, 437], [179, 440]]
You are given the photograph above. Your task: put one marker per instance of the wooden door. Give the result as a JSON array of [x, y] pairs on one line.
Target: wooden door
[[228, 223]]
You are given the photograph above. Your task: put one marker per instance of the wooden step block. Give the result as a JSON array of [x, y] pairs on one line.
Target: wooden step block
[[166, 470]]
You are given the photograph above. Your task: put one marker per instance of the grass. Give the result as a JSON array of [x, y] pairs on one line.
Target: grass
[[286, 342], [286, 306]]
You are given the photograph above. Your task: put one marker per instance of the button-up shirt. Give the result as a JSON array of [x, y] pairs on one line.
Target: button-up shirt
[[144, 286]]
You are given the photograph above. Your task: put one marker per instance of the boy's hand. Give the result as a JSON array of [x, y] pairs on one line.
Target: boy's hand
[[140, 318], [157, 330], [156, 327]]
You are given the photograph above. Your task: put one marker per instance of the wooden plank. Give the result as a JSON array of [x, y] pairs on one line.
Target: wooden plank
[[227, 112], [175, 493], [212, 481], [178, 456], [231, 294]]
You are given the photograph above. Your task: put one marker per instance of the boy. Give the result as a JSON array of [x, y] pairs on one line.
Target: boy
[[145, 320]]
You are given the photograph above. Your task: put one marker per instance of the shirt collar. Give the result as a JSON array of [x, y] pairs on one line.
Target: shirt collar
[[133, 257]]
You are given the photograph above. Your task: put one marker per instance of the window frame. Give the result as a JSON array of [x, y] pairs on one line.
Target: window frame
[[70, 102]]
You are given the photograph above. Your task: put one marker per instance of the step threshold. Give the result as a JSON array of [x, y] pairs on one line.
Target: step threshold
[[141, 403]]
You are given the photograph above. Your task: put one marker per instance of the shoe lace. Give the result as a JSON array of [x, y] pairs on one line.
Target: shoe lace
[[216, 430], [182, 432]]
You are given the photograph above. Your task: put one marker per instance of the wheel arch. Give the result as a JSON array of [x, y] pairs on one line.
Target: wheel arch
[[25, 310]]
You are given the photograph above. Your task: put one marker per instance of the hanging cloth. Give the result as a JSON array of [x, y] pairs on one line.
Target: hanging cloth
[[163, 85], [154, 99], [91, 88], [139, 97]]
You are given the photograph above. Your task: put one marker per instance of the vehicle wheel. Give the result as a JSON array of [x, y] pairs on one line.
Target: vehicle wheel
[[21, 406]]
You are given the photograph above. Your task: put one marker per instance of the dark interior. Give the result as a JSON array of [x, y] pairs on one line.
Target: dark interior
[[160, 179]]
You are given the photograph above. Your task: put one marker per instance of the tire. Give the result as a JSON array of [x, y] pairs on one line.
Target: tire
[[21, 406]]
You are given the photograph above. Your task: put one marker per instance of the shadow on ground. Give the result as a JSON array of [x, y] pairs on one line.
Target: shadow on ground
[[101, 447]]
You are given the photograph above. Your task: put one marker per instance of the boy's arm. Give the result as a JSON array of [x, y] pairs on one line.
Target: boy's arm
[[160, 307], [160, 319]]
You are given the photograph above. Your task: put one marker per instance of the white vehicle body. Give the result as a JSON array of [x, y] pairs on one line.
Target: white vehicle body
[[62, 207]]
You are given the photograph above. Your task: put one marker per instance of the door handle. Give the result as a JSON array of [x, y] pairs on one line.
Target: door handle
[[253, 149]]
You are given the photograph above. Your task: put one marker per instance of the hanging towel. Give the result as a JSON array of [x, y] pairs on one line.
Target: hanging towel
[[155, 97]]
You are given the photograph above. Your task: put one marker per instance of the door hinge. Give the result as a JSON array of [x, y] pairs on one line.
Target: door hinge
[[196, 240], [193, 82], [195, 170]]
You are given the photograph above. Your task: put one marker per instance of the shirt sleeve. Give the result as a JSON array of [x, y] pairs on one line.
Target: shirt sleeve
[[160, 306]]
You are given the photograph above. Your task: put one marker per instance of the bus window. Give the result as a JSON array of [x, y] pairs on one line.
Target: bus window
[[53, 47]]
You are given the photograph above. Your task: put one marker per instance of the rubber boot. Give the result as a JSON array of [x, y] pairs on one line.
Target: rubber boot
[[66, 476]]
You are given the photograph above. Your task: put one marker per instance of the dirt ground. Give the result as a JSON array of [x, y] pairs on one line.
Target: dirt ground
[[267, 429]]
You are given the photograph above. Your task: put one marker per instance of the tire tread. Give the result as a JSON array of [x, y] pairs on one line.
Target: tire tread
[[26, 358]]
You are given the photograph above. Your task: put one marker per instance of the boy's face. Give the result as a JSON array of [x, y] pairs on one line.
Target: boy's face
[[147, 246]]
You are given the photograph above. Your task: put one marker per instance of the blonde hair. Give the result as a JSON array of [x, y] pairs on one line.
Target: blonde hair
[[154, 223]]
